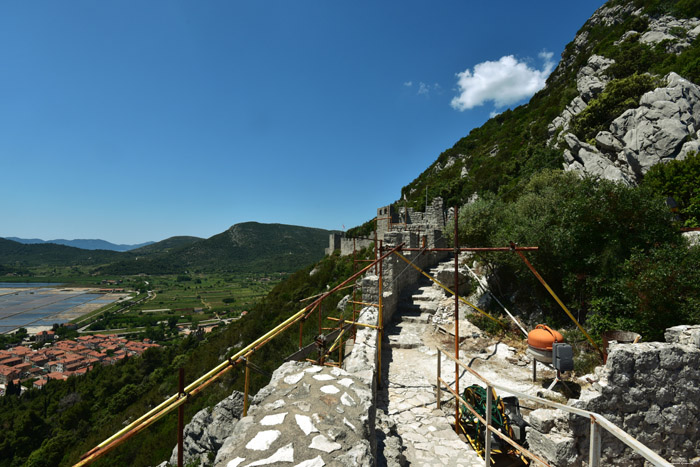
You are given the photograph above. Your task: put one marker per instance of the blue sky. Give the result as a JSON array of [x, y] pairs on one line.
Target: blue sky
[[134, 121]]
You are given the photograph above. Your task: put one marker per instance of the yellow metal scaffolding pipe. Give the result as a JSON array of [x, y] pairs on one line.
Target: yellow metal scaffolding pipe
[[561, 304]]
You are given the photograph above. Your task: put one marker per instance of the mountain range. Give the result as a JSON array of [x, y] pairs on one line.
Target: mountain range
[[245, 247], [85, 244]]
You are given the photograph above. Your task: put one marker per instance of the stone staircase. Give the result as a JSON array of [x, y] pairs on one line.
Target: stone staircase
[[422, 433], [411, 318]]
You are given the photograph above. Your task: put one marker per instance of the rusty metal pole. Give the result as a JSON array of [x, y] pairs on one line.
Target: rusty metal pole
[[375, 244], [456, 286], [320, 330], [245, 388], [380, 323], [439, 386], [180, 418], [301, 333]]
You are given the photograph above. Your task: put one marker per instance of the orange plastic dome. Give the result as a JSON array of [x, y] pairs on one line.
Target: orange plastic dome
[[542, 337]]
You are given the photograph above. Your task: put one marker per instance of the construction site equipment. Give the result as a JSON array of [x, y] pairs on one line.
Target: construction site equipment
[[562, 356], [540, 341], [504, 417]]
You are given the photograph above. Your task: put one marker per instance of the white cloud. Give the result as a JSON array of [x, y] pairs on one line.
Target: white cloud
[[504, 82], [408, 84], [425, 89]]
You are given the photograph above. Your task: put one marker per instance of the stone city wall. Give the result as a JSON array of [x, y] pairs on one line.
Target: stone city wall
[[346, 245], [650, 390]]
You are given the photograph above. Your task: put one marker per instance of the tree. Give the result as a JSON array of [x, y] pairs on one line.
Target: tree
[[679, 179]]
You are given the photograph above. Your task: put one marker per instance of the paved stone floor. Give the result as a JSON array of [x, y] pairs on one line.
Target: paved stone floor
[[410, 400], [409, 370]]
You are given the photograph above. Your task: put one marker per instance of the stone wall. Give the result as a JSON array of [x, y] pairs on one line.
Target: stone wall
[[650, 390], [399, 276], [346, 245], [307, 416]]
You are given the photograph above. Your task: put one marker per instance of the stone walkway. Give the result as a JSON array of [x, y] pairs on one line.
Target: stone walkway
[[408, 394], [410, 401]]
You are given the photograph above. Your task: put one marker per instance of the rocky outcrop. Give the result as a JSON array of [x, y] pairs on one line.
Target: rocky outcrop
[[605, 15], [587, 159], [678, 33], [590, 82], [208, 429], [591, 79], [664, 127], [650, 390]]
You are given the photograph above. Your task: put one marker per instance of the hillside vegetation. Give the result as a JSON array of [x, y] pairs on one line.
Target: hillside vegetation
[[500, 156], [613, 253], [55, 425], [246, 247]]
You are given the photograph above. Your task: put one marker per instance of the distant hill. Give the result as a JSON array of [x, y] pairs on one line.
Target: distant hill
[[15, 254], [246, 247], [85, 244], [166, 245]]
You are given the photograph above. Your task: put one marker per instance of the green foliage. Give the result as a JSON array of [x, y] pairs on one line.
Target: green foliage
[[20, 255], [246, 247], [657, 289], [365, 230], [585, 229], [619, 95], [680, 180]]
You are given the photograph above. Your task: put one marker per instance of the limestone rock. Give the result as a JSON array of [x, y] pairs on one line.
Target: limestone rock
[[206, 432], [591, 79], [585, 158], [659, 127], [668, 28], [607, 142], [665, 126]]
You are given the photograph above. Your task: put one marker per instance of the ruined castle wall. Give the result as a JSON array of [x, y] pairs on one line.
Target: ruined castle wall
[[650, 390]]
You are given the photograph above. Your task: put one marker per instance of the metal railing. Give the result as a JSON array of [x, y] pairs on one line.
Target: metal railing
[[242, 356], [597, 421]]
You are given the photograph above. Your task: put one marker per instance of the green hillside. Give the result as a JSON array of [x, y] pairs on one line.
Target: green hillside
[[499, 156], [18, 255], [166, 245], [246, 247]]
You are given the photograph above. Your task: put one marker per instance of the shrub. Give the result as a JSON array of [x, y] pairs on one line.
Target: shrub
[[619, 95], [680, 180]]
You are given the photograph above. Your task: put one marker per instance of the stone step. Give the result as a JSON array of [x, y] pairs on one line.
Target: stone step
[[404, 342], [406, 335], [409, 307], [423, 318], [422, 298]]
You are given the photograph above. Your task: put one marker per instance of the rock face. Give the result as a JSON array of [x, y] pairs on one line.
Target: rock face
[[651, 390], [307, 415], [207, 430], [664, 127], [590, 82], [678, 33]]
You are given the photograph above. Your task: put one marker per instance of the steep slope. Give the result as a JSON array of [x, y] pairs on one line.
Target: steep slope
[[596, 81]]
